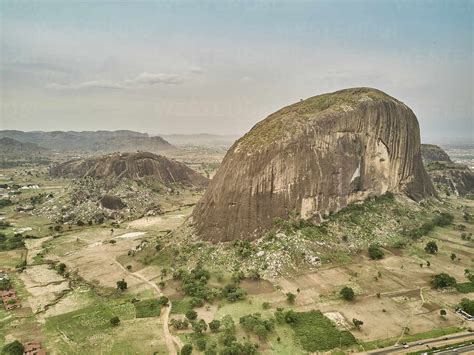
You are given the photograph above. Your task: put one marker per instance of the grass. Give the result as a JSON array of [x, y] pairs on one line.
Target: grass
[[315, 332], [77, 326], [147, 308], [435, 333], [180, 306], [465, 287]]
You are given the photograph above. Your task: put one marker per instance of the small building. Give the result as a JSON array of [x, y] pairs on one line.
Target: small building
[[33, 348], [465, 315]]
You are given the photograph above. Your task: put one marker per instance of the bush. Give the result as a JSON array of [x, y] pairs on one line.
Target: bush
[[115, 321], [13, 348], [443, 280], [431, 247], [191, 314], [256, 324], [232, 292], [187, 349], [214, 325], [201, 343], [467, 305], [290, 297], [375, 253], [347, 293], [122, 285]]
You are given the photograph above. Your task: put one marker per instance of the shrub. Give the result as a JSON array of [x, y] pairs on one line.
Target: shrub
[[443, 280], [431, 247], [214, 325], [467, 305], [191, 314], [201, 343], [115, 321], [290, 297], [347, 293], [13, 348], [375, 253], [256, 324], [187, 349], [357, 323], [122, 285]]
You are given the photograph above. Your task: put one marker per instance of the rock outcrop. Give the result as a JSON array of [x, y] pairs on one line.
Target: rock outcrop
[[431, 152], [314, 157], [135, 166]]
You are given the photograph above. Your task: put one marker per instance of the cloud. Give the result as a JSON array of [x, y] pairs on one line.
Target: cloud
[[141, 81], [246, 79]]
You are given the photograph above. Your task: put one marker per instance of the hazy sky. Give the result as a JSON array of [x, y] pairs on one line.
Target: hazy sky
[[220, 67]]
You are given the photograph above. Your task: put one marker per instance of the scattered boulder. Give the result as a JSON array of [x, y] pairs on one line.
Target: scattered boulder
[[112, 202]]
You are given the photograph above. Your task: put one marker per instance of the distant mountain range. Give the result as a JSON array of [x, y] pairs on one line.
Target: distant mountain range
[[91, 141], [12, 149]]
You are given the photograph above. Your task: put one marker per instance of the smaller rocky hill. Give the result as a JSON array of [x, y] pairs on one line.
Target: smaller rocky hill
[[448, 177], [431, 152], [141, 166]]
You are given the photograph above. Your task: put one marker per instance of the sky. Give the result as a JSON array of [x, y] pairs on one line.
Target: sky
[[222, 66]]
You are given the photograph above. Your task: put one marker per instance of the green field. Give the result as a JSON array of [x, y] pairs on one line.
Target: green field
[[315, 332], [147, 308]]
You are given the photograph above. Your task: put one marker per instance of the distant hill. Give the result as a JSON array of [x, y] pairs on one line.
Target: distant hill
[[91, 141], [431, 152], [12, 149], [141, 166], [201, 139]]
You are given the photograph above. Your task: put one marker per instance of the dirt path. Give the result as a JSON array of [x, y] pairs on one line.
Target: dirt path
[[173, 343], [411, 316], [34, 247]]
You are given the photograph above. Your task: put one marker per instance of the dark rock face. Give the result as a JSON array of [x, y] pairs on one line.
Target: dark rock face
[[112, 202], [134, 166], [431, 152], [314, 157]]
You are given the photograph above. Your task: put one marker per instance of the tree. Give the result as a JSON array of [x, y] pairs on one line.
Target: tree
[[443, 280], [201, 343], [347, 293], [187, 349], [228, 324], [375, 253], [290, 297], [61, 268], [453, 256], [214, 325], [122, 285], [431, 247], [442, 312], [115, 321], [467, 305], [163, 300], [191, 314], [357, 323], [199, 326], [13, 348]]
